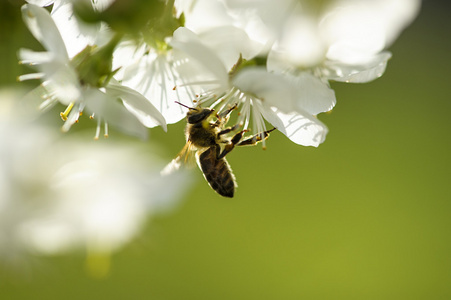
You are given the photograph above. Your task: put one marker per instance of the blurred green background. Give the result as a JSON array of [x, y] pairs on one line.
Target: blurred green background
[[367, 215]]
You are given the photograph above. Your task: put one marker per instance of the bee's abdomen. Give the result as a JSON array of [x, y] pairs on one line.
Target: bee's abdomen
[[217, 172]]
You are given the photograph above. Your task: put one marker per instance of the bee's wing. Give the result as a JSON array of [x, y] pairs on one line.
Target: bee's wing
[[184, 157]]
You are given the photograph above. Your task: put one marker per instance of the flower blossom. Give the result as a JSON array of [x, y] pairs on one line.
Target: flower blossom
[[303, 45], [340, 40], [275, 59], [83, 81], [150, 71], [75, 33], [282, 101], [60, 195]]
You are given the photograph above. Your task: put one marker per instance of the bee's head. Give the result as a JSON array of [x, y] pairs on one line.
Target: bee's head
[[197, 114]]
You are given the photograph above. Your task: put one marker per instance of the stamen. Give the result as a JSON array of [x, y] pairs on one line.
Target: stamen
[[67, 111], [30, 76], [78, 116], [47, 103], [106, 130], [72, 118], [244, 114], [96, 137], [259, 123]]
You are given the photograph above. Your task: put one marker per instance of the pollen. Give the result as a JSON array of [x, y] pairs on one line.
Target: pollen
[[67, 111]]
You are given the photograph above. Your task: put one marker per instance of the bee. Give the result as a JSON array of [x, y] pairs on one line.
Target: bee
[[206, 136]]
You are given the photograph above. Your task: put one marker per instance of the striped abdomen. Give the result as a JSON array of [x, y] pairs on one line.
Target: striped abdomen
[[217, 172]]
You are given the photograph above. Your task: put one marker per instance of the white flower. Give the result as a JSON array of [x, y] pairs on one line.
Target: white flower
[[289, 103], [307, 44], [151, 72], [76, 84], [75, 33], [150, 67], [204, 15], [342, 40], [286, 102], [64, 195]]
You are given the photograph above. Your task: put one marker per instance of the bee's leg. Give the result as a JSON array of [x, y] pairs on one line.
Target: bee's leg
[[224, 116], [234, 141], [253, 140], [227, 111], [229, 129]]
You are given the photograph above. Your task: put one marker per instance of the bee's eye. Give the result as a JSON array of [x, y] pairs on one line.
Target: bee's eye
[[198, 116]]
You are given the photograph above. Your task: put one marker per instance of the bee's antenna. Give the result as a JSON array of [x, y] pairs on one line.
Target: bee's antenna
[[183, 105]]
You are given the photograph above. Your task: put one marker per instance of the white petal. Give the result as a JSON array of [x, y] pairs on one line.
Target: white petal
[[300, 43], [315, 96], [113, 112], [202, 15], [359, 73], [272, 89], [302, 129], [75, 33], [350, 42], [101, 5], [304, 93], [272, 13], [379, 23], [229, 43], [44, 29], [138, 105], [42, 3], [126, 53], [402, 13], [61, 81], [155, 77], [204, 66]]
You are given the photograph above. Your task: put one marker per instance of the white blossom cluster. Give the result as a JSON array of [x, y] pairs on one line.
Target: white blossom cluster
[[127, 62], [59, 195]]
